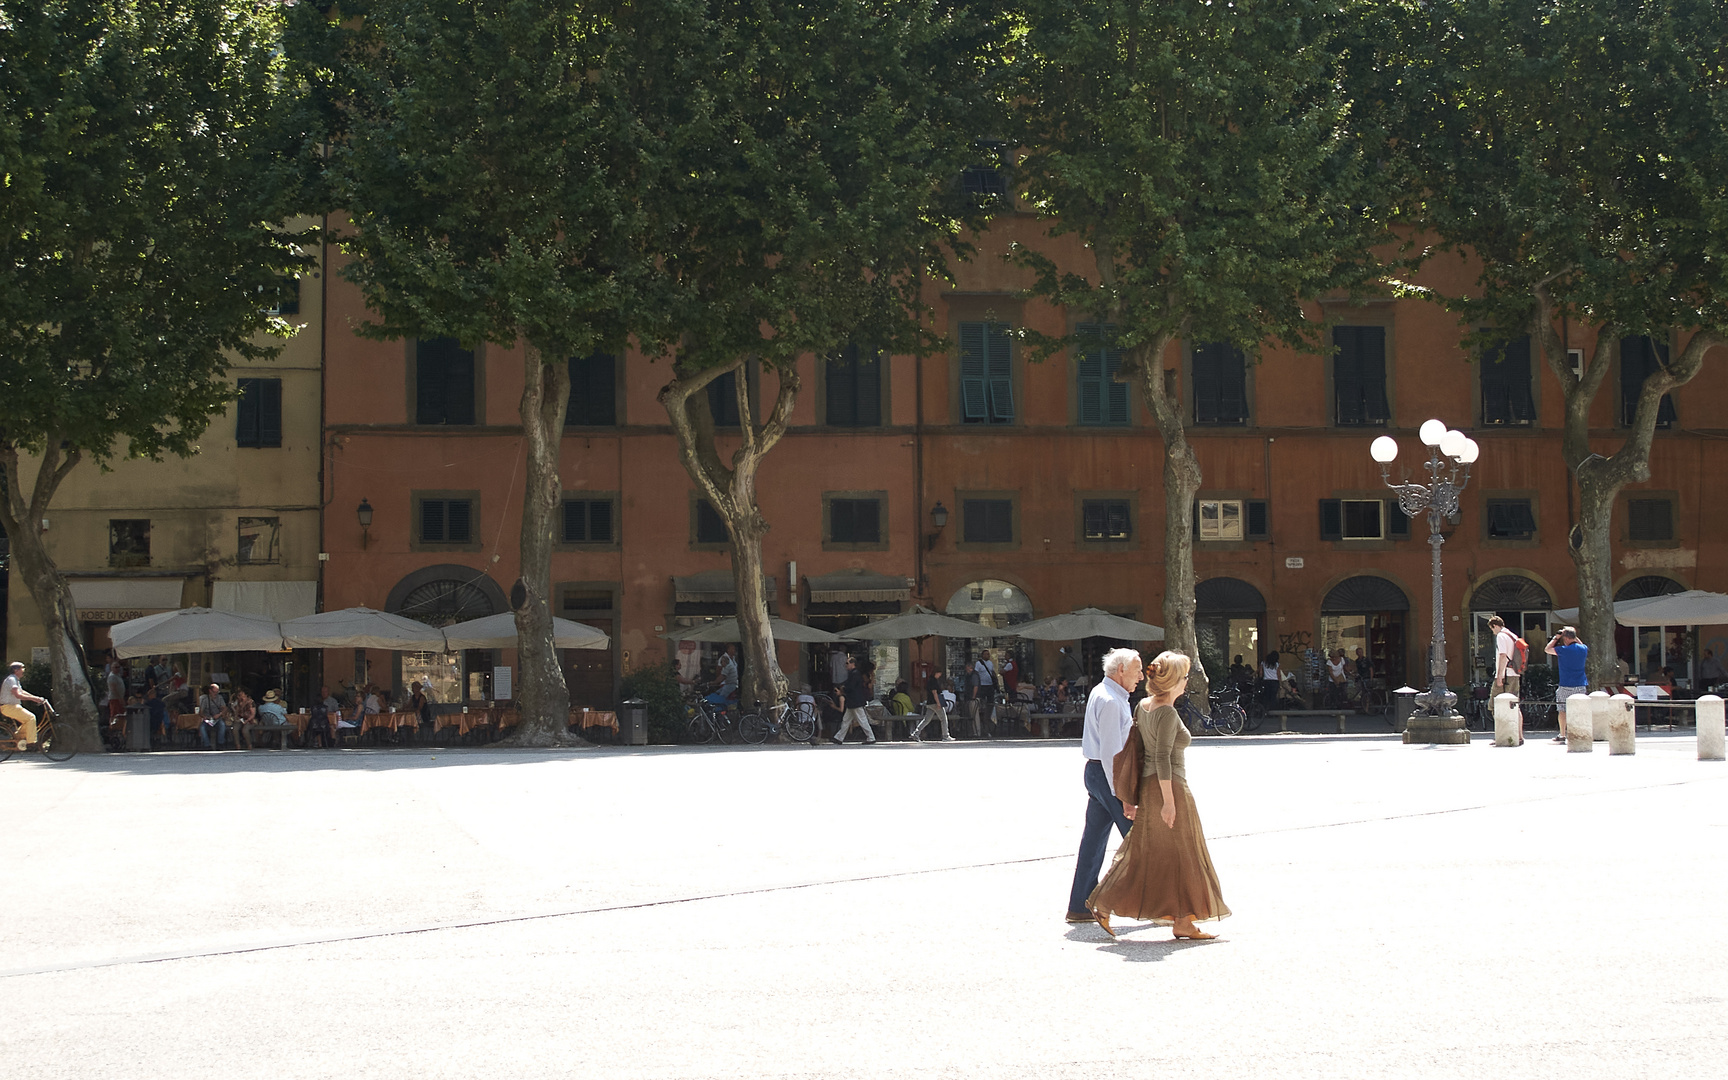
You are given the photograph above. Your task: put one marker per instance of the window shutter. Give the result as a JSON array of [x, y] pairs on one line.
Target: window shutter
[[1650, 519], [246, 413], [459, 388], [593, 391], [1520, 403], [1359, 375], [723, 400], [1208, 392], [1397, 522], [1092, 521], [1331, 519], [867, 378], [600, 521], [1091, 376], [1220, 384], [972, 373], [999, 354], [430, 376], [1373, 374], [842, 395], [457, 515], [1115, 393], [842, 522], [1521, 520], [1233, 386], [432, 521], [1001, 521], [575, 521], [1258, 525], [269, 393], [1639, 358], [1116, 521]]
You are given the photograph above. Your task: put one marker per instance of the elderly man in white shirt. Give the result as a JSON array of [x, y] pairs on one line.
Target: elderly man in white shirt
[[1109, 721], [12, 698]]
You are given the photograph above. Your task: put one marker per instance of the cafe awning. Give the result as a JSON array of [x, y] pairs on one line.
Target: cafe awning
[[858, 587], [361, 628], [195, 630], [712, 587], [117, 599]]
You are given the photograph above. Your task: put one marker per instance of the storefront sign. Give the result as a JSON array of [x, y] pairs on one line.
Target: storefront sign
[[1294, 562], [501, 683], [114, 615]]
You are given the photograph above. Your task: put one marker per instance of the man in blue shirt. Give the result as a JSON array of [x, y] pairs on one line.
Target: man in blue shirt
[[1109, 722], [1571, 655]]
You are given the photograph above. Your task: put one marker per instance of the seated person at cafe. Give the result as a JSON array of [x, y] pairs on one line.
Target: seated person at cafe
[[244, 711], [272, 711], [213, 714], [318, 718], [158, 710], [900, 702]]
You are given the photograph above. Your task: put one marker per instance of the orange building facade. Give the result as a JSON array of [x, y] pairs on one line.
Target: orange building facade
[[1048, 479]]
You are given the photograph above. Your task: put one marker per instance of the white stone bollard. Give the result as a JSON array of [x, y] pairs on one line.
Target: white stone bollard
[[1579, 710], [1622, 726], [1508, 721], [1599, 710], [1709, 728]]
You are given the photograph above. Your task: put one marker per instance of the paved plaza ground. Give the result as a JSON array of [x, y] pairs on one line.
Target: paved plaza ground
[[858, 912]]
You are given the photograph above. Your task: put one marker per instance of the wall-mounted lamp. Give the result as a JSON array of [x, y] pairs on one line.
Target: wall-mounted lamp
[[364, 512], [938, 518]]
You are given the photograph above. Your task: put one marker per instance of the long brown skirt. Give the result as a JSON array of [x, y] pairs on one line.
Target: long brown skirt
[[1162, 873]]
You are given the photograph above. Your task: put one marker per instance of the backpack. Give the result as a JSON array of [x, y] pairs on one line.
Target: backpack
[[1520, 655]]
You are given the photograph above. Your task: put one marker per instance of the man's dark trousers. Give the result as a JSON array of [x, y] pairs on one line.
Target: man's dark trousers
[[1101, 809]]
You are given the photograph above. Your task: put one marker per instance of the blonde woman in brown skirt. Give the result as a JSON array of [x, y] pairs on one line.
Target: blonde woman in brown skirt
[[1162, 872]]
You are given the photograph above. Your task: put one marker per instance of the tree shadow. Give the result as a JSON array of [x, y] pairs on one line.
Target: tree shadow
[[359, 759]]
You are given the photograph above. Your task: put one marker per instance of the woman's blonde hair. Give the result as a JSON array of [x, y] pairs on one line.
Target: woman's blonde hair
[[1167, 672]]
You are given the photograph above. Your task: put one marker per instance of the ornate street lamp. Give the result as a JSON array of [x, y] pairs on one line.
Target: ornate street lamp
[[1436, 719]]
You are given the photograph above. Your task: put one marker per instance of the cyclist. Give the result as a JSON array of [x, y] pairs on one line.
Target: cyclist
[[12, 697]]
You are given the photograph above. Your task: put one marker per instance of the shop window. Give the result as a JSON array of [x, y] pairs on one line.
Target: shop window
[[987, 521], [1640, 357], [129, 542], [258, 413], [1220, 384], [853, 384], [855, 521], [1103, 401], [1649, 521], [986, 378], [1505, 374], [1510, 519], [593, 391], [443, 382], [260, 540], [1106, 520], [588, 521], [446, 521], [1359, 376], [710, 526]]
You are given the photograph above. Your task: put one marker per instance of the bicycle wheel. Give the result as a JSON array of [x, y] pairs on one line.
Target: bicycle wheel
[[801, 724], [45, 742], [753, 728], [8, 732], [698, 730], [725, 727], [1254, 715], [1228, 718]]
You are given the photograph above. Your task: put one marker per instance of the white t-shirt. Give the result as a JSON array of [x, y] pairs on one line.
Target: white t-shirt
[[986, 672], [1271, 673], [11, 691], [1505, 644]]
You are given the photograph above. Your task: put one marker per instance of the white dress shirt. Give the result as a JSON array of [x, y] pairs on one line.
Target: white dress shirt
[[1108, 721]]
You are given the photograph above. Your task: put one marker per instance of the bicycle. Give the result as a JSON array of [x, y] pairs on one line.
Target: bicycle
[[794, 718], [11, 744], [1226, 718], [708, 722], [1252, 711]]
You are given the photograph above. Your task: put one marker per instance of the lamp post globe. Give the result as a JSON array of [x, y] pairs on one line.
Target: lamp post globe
[[1384, 449], [1431, 432]]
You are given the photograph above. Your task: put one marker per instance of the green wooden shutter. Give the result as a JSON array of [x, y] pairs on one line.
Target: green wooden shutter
[[973, 370], [999, 355], [1331, 519], [269, 393], [1090, 380], [458, 521], [246, 413], [1258, 526]]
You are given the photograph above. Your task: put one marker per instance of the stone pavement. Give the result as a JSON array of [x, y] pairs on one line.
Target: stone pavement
[[857, 912]]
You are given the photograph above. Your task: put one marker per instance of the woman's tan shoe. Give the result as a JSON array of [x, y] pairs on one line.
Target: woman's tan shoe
[[1185, 929], [1103, 918]]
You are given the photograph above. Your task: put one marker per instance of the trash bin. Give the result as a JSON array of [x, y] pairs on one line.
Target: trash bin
[[633, 722], [137, 727], [1403, 704]]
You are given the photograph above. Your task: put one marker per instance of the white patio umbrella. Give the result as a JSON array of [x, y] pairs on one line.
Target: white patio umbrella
[[499, 632], [1087, 623], [921, 622], [1693, 607], [195, 630], [361, 628], [727, 630]]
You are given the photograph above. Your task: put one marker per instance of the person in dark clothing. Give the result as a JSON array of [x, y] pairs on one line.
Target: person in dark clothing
[[854, 695]]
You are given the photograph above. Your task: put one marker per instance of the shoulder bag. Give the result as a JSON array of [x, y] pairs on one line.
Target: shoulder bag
[[1125, 769]]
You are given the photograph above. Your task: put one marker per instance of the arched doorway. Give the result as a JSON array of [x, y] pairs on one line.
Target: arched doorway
[[1229, 621], [1646, 650], [1526, 608], [442, 596], [997, 604], [1368, 613]]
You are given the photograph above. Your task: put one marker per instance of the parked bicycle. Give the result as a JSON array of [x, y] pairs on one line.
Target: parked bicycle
[[793, 717], [708, 722], [1240, 701], [1226, 719], [11, 743]]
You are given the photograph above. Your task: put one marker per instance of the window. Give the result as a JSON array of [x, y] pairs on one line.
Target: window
[[855, 521], [446, 521], [710, 526], [1102, 400], [1220, 384], [282, 298], [1359, 376], [1361, 519], [723, 397], [129, 542], [987, 521], [1510, 519], [1231, 519], [854, 388], [258, 413], [593, 391], [1649, 520], [986, 385], [1639, 358], [1106, 521], [1506, 395], [260, 540], [443, 382], [987, 180], [588, 521]]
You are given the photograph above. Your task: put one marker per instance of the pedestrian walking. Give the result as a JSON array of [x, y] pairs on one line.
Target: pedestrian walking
[[1571, 657], [1508, 669], [935, 708], [983, 694], [1163, 872], [854, 695], [1107, 724]]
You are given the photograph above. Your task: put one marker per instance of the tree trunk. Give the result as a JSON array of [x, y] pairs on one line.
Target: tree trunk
[[1593, 558], [1181, 483], [542, 696], [731, 490], [76, 728]]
